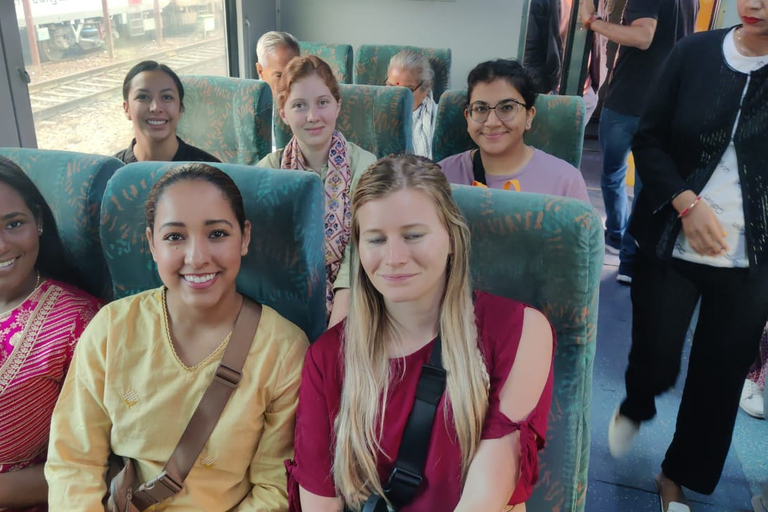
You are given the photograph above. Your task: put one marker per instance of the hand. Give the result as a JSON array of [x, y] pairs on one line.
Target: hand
[[703, 231], [586, 10]]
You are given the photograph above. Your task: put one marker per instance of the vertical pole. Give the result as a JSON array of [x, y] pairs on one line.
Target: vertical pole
[[34, 51], [108, 25], [158, 23]]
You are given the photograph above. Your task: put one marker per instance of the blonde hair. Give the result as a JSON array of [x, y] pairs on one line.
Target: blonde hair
[[363, 405]]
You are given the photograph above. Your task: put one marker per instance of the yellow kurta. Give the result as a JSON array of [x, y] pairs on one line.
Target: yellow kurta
[[359, 161], [127, 391]]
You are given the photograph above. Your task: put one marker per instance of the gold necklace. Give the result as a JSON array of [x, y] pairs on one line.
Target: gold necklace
[[210, 356], [743, 49], [37, 283]]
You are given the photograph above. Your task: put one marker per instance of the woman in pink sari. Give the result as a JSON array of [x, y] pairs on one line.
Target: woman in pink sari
[[41, 318]]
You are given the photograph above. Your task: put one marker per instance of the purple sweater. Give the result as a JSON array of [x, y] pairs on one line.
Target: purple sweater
[[543, 174]]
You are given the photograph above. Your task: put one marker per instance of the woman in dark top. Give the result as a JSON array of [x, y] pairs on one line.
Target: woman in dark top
[[153, 100], [701, 224]]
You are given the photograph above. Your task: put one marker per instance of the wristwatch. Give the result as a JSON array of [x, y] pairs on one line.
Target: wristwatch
[[593, 17]]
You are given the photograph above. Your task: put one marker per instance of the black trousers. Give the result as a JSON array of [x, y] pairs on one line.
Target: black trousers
[[733, 313]]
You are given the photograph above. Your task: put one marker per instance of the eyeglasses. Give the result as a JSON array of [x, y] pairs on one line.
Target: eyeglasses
[[505, 110], [413, 89]]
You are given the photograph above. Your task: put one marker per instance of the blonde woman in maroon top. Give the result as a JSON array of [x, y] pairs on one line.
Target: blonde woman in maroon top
[[410, 282]]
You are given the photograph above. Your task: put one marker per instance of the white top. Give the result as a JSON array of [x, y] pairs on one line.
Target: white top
[[723, 190], [424, 126]]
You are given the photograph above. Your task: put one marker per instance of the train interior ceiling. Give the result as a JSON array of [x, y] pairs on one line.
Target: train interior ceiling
[[61, 89]]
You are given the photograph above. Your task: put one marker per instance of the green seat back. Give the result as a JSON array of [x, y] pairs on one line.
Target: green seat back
[[338, 56], [73, 186], [230, 118], [372, 64], [547, 251]]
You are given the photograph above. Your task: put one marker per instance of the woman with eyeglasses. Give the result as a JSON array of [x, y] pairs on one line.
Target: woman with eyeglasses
[[500, 108]]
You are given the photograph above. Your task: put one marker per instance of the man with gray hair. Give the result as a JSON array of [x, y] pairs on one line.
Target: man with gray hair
[[412, 70], [273, 52]]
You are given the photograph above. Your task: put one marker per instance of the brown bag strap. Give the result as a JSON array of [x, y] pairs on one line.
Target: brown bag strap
[[205, 417]]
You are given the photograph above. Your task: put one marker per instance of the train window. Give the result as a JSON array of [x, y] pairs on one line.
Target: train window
[[77, 60]]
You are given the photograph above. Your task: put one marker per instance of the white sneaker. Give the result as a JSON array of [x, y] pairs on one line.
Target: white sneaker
[[752, 399], [621, 434], [758, 504]]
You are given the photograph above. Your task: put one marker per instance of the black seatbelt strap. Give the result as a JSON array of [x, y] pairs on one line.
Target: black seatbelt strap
[[406, 478], [477, 168]]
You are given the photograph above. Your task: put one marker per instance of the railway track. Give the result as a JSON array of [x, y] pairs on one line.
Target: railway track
[[59, 95]]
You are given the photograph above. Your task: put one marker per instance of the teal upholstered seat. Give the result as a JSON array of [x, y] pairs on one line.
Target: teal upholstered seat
[[285, 266], [378, 119], [338, 56], [73, 186], [231, 118], [547, 251], [557, 129], [372, 64]]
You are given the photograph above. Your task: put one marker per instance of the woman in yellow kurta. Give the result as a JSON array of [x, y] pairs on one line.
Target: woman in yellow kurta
[[146, 360]]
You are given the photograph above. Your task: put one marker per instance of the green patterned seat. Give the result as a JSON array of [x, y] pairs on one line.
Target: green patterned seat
[[547, 251], [73, 186], [338, 56], [231, 118], [557, 129], [372, 64], [378, 119], [285, 266]]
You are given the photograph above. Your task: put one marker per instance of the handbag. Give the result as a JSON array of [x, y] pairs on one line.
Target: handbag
[[406, 477], [124, 494]]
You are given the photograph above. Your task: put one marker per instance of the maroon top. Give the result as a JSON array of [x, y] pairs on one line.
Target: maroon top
[[499, 326]]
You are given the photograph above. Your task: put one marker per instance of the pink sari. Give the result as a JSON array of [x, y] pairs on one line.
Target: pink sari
[[37, 340]]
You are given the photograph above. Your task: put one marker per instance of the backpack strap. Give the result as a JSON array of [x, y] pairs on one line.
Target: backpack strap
[[477, 168], [407, 476], [170, 481]]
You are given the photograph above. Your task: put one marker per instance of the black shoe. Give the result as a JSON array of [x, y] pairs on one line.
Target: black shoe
[[612, 242], [625, 273]]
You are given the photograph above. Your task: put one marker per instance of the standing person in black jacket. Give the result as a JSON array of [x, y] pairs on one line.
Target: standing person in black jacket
[[543, 45], [701, 223]]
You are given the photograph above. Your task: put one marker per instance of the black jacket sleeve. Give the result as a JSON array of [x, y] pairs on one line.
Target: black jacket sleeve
[[654, 162]]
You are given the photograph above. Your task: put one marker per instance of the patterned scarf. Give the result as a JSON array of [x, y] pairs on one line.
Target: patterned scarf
[[338, 213]]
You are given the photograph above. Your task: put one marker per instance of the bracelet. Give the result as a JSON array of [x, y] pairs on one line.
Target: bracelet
[[688, 210], [592, 18]]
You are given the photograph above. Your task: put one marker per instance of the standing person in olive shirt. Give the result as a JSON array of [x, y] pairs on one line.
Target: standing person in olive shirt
[[648, 31]]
